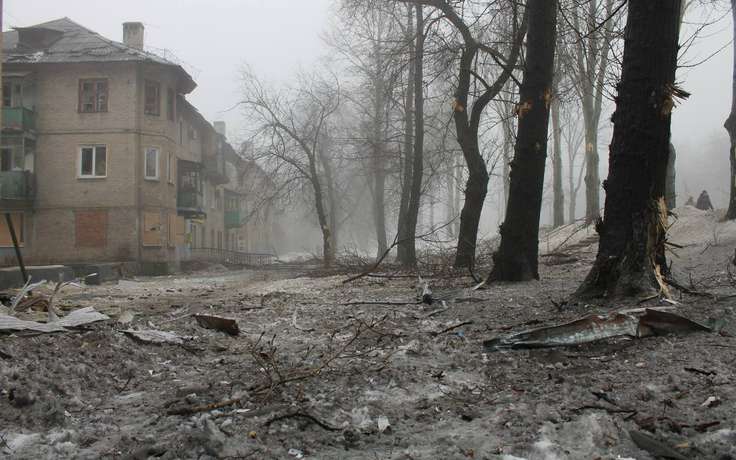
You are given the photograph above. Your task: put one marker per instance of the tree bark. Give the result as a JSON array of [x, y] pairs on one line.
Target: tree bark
[[409, 256], [404, 239], [377, 144], [517, 256], [558, 211], [671, 184], [730, 126], [631, 258]]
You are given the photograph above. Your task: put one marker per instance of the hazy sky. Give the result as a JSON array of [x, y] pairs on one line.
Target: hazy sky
[[275, 37], [212, 38]]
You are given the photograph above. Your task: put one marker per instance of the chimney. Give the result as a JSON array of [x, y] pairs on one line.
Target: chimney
[[133, 34], [220, 127]]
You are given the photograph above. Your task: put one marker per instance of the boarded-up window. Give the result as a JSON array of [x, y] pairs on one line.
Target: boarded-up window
[[151, 229], [91, 229], [5, 239], [181, 231], [177, 230]]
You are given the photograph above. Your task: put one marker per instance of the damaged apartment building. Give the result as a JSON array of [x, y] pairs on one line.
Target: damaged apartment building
[[105, 160]]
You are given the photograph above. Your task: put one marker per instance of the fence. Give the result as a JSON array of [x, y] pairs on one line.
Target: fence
[[225, 256]]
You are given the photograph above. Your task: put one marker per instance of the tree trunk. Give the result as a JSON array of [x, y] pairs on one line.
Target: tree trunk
[[592, 172], [378, 169], [671, 184], [558, 211], [730, 126], [631, 257], [410, 256], [517, 256], [328, 250], [404, 239]]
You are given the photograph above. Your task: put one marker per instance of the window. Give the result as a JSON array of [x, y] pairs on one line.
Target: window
[[12, 158], [181, 133], [93, 161], [170, 168], [152, 103], [151, 229], [170, 104], [151, 163], [6, 240], [7, 95], [192, 133], [93, 95]]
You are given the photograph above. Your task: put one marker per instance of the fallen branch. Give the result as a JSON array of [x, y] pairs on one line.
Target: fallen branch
[[464, 323], [380, 302], [203, 408], [304, 415]]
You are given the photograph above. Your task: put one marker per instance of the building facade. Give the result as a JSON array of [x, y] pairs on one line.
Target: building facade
[[103, 158]]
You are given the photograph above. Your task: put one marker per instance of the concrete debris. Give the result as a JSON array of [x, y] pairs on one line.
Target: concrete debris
[[383, 424], [155, 337], [219, 323], [654, 447], [76, 318]]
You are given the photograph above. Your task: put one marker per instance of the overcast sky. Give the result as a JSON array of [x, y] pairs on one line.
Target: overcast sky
[[212, 38], [276, 37]]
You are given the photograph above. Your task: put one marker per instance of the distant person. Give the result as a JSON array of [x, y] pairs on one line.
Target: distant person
[[690, 201], [704, 202]]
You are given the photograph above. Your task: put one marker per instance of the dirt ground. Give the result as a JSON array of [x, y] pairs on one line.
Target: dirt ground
[[315, 374]]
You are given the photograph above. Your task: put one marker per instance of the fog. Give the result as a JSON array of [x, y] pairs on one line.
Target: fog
[[278, 38]]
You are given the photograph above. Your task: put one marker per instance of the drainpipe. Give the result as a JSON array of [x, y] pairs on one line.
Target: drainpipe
[[137, 162]]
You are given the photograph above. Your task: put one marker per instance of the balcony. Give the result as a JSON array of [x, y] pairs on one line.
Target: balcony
[[16, 189], [189, 203], [232, 219], [19, 119]]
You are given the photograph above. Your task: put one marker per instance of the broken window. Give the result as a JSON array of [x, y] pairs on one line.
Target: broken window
[[5, 238], [7, 95], [170, 104], [152, 103], [151, 163], [93, 95], [93, 161]]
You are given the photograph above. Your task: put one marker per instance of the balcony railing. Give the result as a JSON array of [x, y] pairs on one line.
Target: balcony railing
[[189, 200], [19, 119], [225, 256], [232, 219], [16, 185]]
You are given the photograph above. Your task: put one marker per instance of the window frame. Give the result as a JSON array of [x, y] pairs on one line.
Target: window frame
[[155, 111], [171, 161], [95, 94], [80, 155], [158, 163]]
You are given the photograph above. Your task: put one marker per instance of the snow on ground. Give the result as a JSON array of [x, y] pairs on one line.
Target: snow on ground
[[315, 375]]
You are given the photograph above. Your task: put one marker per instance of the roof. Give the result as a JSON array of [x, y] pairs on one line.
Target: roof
[[65, 41]]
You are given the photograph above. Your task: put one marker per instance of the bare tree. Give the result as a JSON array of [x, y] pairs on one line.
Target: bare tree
[[631, 255], [291, 125], [517, 256], [591, 50], [730, 125]]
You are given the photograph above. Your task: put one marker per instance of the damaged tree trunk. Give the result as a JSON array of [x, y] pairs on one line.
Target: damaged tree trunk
[[730, 126], [671, 184], [631, 256], [517, 256]]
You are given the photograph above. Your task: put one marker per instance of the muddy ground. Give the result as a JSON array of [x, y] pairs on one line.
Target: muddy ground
[[313, 374]]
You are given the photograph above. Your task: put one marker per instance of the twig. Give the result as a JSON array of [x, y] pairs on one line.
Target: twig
[[203, 408], [464, 323], [381, 302], [305, 415], [4, 355], [126, 384]]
